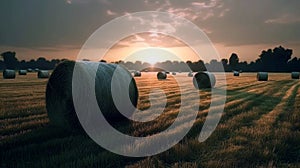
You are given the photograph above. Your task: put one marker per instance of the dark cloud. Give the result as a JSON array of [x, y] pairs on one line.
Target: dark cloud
[[50, 23], [249, 22]]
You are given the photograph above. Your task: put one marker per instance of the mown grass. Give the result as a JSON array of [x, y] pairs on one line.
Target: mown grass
[[259, 128]]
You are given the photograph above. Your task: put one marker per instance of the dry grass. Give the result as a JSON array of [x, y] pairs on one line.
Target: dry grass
[[259, 128]]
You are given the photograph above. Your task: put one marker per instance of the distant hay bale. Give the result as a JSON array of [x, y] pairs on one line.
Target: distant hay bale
[[137, 74], [173, 73], [9, 74], [295, 75], [161, 75], [167, 72], [203, 80], [262, 76], [36, 70], [22, 72], [236, 73], [59, 99], [29, 70], [43, 74], [190, 74]]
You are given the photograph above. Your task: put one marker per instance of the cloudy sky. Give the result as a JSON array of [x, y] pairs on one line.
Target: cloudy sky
[[59, 28]]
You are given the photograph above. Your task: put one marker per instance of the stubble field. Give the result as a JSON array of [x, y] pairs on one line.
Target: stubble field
[[260, 126]]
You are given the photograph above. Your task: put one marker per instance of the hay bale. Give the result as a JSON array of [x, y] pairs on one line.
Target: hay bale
[[59, 100], [262, 76], [167, 72], [203, 80], [137, 74], [295, 75], [236, 73], [9, 74], [161, 75], [173, 73], [43, 74], [190, 74], [29, 70], [22, 72], [36, 70]]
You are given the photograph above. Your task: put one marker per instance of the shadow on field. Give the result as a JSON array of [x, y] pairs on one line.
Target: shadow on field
[[52, 147]]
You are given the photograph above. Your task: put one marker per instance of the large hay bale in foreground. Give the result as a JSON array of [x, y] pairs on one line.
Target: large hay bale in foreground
[[43, 74], [203, 80], [59, 99], [236, 73], [190, 74], [161, 75], [262, 76], [9, 74], [137, 74], [295, 75], [22, 72]]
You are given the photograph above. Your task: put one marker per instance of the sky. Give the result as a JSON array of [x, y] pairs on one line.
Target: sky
[[59, 28]]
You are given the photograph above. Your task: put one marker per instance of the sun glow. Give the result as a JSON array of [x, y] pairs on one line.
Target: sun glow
[[146, 48], [153, 55]]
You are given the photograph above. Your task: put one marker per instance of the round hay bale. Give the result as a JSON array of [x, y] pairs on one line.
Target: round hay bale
[[295, 75], [190, 74], [59, 99], [173, 73], [203, 80], [236, 73], [262, 76], [29, 70], [43, 74], [22, 72], [9, 74], [137, 74], [161, 75], [36, 70], [167, 72]]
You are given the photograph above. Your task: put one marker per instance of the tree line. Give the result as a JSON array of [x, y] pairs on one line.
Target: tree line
[[9, 61], [278, 59]]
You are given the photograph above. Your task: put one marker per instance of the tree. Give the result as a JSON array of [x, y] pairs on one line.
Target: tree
[[224, 61], [233, 60], [275, 60], [10, 60]]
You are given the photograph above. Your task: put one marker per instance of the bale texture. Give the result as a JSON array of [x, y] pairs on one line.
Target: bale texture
[[236, 73], [161, 75], [295, 75], [262, 76], [203, 80], [190, 74], [22, 72], [137, 74], [9, 74], [43, 74], [59, 100]]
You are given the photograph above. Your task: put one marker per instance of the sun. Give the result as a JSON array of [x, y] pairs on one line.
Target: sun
[[153, 55]]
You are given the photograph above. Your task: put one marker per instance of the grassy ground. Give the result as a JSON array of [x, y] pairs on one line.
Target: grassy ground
[[259, 128]]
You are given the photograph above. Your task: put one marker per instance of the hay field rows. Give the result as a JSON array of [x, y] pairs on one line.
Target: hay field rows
[[259, 127]]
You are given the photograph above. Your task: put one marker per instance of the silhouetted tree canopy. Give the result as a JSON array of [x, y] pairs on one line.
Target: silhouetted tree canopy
[[275, 60], [233, 60], [10, 60]]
